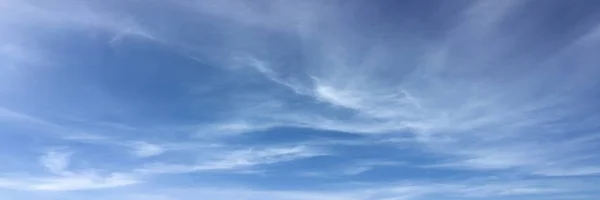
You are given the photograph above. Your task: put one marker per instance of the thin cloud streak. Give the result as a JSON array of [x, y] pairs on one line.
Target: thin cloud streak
[[236, 160]]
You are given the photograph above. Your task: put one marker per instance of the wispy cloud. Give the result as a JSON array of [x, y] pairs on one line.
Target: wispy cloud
[[14, 116], [470, 89], [233, 160], [396, 191], [481, 122], [229, 128], [144, 149], [56, 162], [64, 179], [350, 169], [39, 13]]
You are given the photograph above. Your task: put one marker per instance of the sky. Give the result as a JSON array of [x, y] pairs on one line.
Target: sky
[[295, 100]]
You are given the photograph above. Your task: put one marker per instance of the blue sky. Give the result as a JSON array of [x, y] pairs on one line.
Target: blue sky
[[290, 100]]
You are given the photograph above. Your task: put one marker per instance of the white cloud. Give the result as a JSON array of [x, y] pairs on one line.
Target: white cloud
[[145, 149], [79, 181], [82, 181], [391, 191], [229, 128], [570, 171], [64, 179], [14, 116], [54, 129], [478, 109], [56, 162], [285, 16], [22, 22], [461, 101], [234, 160], [350, 169], [46, 15], [12, 55]]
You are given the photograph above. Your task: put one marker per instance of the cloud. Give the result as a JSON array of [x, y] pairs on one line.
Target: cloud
[[234, 160], [68, 183], [478, 90], [56, 162], [82, 182], [53, 129], [397, 191], [24, 22], [229, 128], [144, 149], [14, 55], [350, 169], [477, 110], [10, 115], [576, 171], [64, 179], [45, 15]]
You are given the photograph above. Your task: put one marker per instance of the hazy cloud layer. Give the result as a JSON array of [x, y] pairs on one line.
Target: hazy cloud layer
[[352, 100]]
